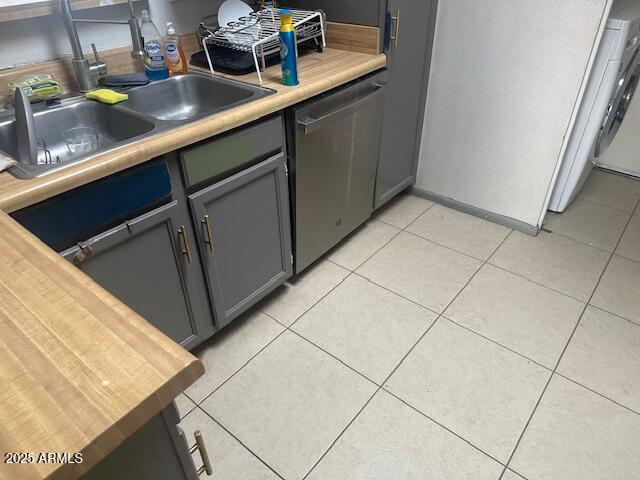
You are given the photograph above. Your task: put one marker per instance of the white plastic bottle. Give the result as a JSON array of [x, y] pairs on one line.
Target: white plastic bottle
[[154, 66]]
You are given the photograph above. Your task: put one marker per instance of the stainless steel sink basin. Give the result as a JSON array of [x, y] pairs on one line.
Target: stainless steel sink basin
[[113, 127], [152, 108], [188, 97]]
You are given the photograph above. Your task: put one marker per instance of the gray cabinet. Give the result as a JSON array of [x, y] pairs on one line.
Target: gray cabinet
[[410, 35], [243, 230], [362, 12], [158, 451], [151, 264]]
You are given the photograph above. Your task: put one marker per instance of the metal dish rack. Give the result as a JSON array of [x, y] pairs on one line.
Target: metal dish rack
[[258, 33]]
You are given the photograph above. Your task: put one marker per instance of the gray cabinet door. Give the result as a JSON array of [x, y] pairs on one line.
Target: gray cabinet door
[[144, 263], [362, 12], [408, 59], [244, 236]]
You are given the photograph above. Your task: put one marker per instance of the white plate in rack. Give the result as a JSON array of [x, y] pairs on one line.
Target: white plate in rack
[[231, 11]]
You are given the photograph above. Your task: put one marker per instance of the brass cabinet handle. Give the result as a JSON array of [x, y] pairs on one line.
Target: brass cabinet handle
[[207, 226], [186, 250], [397, 29], [84, 251], [200, 446]]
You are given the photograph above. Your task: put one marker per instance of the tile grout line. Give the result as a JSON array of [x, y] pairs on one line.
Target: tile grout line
[[238, 369], [379, 387], [448, 247], [398, 294], [534, 282], [452, 432], [403, 228], [355, 272], [239, 441], [334, 357], [543, 366], [398, 366], [626, 258], [445, 246], [544, 389], [351, 235], [495, 342], [631, 214], [285, 329], [373, 218], [608, 206], [433, 204], [575, 328], [547, 230], [314, 303], [180, 416], [597, 393], [614, 315], [271, 341]]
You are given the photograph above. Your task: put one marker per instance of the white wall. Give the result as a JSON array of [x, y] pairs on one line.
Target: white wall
[[505, 77], [44, 38]]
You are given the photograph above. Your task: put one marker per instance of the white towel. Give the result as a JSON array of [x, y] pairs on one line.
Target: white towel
[[6, 162]]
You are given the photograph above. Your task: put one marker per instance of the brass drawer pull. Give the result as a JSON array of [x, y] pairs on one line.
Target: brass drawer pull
[[397, 29], [200, 446], [186, 250], [84, 251], [209, 239]]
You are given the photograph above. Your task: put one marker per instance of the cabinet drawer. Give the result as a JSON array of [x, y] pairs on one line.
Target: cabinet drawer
[[227, 154]]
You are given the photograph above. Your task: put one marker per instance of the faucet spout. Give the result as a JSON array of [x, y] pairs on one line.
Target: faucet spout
[[137, 42], [87, 73]]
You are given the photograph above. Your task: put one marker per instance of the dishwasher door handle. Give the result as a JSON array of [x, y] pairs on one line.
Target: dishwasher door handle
[[309, 124]]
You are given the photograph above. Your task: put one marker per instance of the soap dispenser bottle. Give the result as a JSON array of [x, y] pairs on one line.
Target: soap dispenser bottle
[[154, 66], [173, 53]]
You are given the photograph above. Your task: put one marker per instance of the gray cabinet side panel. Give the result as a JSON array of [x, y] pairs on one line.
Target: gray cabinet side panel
[[405, 96], [156, 451]]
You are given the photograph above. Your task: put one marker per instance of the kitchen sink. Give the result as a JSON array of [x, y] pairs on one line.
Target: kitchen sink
[[189, 97], [112, 126], [150, 109]]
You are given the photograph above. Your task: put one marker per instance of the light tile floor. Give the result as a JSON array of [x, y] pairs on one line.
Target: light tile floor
[[434, 345]]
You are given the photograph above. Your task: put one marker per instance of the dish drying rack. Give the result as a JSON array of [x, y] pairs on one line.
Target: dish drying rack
[[258, 33]]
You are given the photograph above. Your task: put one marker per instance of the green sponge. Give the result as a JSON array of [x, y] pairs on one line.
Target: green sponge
[[38, 87]]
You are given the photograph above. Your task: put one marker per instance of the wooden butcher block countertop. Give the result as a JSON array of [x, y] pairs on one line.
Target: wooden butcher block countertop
[[318, 73], [79, 370]]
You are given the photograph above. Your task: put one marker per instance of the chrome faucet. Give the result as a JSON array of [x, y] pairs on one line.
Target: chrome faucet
[[88, 73]]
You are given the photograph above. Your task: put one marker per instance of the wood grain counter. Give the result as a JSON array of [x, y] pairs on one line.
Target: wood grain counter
[[318, 72], [80, 371]]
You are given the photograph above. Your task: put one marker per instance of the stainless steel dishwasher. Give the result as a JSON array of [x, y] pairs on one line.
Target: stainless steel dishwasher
[[334, 143]]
